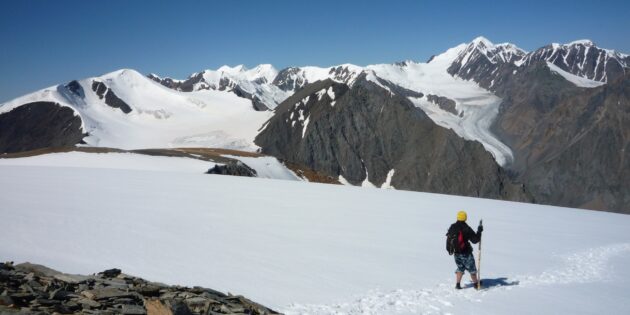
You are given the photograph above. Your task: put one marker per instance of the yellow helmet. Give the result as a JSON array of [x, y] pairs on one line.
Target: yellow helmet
[[462, 216]]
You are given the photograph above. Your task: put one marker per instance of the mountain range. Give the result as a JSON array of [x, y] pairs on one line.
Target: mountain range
[[487, 120]]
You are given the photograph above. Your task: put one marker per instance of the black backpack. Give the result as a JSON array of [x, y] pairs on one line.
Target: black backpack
[[455, 241]]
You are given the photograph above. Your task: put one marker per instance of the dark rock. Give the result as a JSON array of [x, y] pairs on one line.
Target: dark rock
[[110, 273], [444, 103], [59, 294], [39, 125], [369, 131], [104, 296], [22, 298], [235, 168], [149, 291], [111, 99], [73, 306], [198, 305], [180, 308], [99, 88], [75, 88], [107, 293], [6, 300]]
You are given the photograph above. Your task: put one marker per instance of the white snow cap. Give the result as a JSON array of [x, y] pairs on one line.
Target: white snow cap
[[482, 40], [586, 42]]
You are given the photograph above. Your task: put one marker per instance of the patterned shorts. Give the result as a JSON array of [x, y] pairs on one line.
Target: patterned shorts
[[465, 262]]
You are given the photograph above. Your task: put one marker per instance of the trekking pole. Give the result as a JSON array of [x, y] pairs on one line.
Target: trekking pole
[[479, 263]]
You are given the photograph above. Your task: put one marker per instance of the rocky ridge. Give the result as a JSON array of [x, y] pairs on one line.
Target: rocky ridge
[[366, 135], [34, 289]]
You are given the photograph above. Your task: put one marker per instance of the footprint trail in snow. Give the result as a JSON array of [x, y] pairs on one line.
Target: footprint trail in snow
[[582, 267]]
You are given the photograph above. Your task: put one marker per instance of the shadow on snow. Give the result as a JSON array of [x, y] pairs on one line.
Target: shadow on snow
[[496, 282]]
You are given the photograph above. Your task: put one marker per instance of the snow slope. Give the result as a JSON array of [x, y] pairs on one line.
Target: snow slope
[[265, 166], [307, 248], [256, 81], [160, 117], [578, 81], [121, 161]]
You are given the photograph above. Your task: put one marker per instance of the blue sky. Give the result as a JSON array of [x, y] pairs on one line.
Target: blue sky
[[43, 43]]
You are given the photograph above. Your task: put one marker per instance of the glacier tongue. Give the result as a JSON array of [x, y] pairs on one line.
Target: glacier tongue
[[477, 108]]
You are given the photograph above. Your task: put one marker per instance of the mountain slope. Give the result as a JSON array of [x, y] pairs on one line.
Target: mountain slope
[[523, 108], [584, 59], [124, 109], [369, 136], [571, 143]]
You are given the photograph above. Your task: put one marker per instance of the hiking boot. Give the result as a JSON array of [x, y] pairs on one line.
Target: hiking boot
[[458, 287]]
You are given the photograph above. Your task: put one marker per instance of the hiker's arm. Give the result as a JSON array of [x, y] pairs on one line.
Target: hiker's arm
[[472, 236]]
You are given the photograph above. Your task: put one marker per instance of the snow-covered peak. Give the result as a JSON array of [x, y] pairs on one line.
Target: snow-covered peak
[[241, 73], [582, 58], [482, 48], [293, 78], [130, 74], [480, 40], [585, 42], [232, 70]]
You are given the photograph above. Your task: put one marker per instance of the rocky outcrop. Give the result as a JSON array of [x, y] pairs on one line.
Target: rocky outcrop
[[35, 289], [445, 103], [289, 80], [234, 168], [75, 88], [39, 125], [111, 99], [366, 134]]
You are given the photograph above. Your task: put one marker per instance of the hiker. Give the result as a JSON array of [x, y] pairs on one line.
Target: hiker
[[457, 238]]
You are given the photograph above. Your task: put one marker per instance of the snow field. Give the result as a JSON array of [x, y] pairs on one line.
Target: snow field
[[265, 167], [305, 248]]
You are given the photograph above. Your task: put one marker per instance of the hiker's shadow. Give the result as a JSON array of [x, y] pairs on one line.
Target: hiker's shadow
[[496, 282]]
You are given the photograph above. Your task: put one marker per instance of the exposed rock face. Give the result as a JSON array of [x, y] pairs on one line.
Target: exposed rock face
[[364, 132], [235, 168], [197, 82], [444, 103], [35, 289], [187, 85], [39, 125], [75, 88], [570, 144], [553, 126], [289, 80], [583, 59], [294, 78], [110, 97], [481, 59]]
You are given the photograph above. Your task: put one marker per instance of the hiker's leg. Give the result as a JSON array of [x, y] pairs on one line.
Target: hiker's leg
[[458, 276], [473, 276]]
